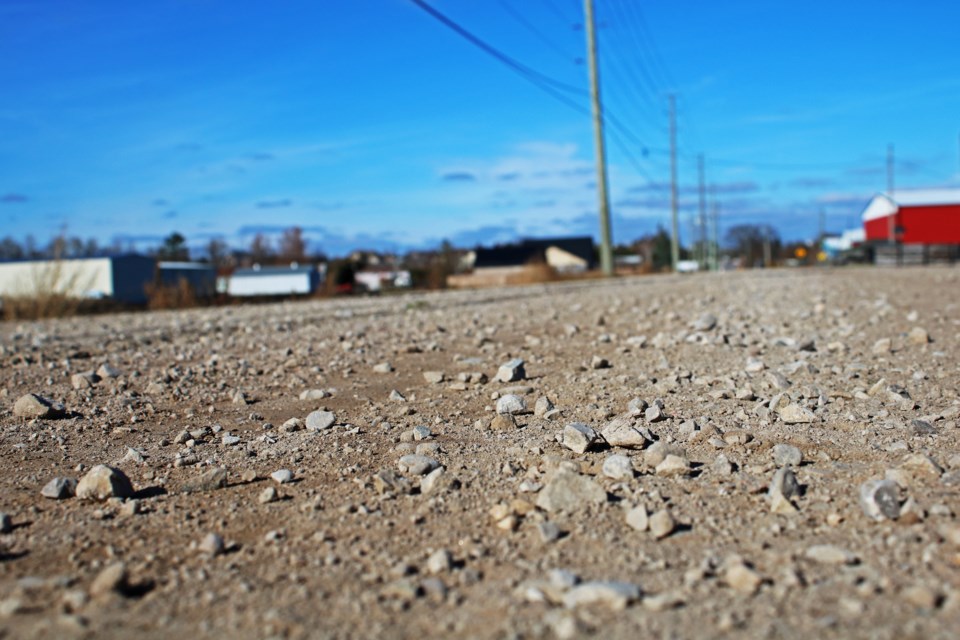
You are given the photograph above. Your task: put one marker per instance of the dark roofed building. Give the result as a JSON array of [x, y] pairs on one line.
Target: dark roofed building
[[564, 254], [519, 263]]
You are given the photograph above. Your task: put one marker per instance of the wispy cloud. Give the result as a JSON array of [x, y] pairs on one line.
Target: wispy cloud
[[328, 206], [13, 198], [458, 176], [812, 183], [274, 204], [843, 199], [738, 187]]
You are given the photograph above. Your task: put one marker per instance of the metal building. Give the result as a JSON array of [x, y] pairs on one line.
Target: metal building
[[201, 276], [122, 278], [273, 281]]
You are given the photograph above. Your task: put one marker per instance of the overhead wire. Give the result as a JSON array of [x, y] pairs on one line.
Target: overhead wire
[[639, 73], [510, 62], [555, 10], [549, 85], [656, 72], [529, 26], [658, 67]]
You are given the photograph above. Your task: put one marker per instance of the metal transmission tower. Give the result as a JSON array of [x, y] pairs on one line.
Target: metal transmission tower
[[674, 235], [606, 248]]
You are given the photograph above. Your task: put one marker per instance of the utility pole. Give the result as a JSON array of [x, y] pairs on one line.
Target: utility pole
[[674, 236], [892, 219], [822, 234], [702, 212], [715, 245], [606, 249]]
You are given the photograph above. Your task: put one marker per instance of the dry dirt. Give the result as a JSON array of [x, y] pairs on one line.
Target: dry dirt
[[339, 554]]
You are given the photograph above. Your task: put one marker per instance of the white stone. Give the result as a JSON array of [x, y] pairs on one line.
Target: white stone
[[618, 467], [320, 420], [103, 482], [578, 437], [511, 404]]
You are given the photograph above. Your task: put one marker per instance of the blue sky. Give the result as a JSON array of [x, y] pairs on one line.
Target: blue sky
[[370, 124]]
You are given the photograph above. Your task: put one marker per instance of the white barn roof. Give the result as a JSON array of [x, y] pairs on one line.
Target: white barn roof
[[884, 205]]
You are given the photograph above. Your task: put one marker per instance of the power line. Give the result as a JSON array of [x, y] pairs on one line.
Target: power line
[[529, 26], [643, 78], [542, 81], [512, 63], [557, 12], [646, 46], [658, 67], [632, 159]]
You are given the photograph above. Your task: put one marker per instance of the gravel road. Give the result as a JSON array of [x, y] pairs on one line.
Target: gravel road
[[758, 454]]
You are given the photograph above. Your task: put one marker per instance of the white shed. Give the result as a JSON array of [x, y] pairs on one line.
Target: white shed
[[273, 281]]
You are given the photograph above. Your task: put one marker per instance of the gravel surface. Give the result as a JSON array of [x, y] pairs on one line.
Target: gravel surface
[[762, 454]]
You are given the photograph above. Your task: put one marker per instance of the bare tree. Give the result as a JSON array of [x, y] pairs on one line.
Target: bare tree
[[755, 243], [10, 249], [293, 246], [91, 248], [261, 250], [218, 253]]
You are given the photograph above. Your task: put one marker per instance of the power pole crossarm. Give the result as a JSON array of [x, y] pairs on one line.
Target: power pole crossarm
[[606, 249]]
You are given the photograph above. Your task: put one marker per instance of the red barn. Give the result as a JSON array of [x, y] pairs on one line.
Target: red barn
[[925, 217]]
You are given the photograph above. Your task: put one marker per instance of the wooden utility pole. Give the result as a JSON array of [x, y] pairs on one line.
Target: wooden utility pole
[[675, 231], [715, 245], [702, 212], [892, 219], [606, 248]]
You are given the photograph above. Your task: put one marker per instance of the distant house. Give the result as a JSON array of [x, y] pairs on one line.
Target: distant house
[[833, 246], [201, 277], [515, 263], [272, 281], [927, 216], [374, 280], [563, 254], [122, 278], [628, 263]]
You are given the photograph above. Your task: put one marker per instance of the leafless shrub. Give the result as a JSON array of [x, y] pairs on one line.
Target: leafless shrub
[[171, 296], [52, 289]]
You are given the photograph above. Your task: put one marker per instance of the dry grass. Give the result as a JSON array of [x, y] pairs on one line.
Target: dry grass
[[39, 306], [176, 296], [534, 274], [54, 291]]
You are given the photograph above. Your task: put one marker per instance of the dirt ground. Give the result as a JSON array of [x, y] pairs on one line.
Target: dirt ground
[[519, 536]]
